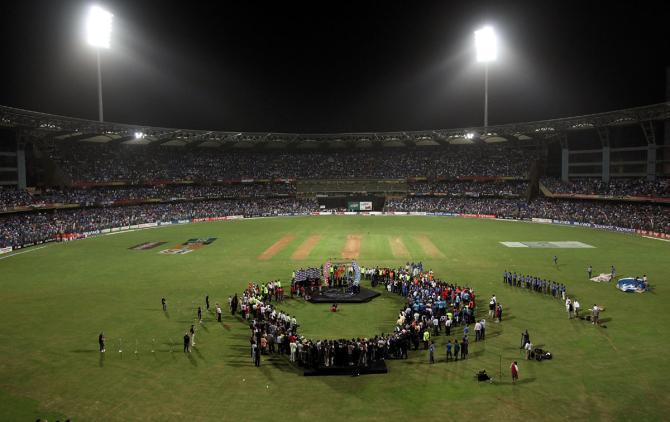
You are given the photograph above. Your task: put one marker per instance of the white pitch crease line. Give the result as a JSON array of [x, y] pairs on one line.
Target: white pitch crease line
[[19, 253]]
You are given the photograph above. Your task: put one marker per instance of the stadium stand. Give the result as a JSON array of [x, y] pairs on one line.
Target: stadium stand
[[86, 177]]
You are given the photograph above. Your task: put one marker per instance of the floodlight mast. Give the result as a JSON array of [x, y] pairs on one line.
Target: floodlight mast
[[487, 51], [98, 31]]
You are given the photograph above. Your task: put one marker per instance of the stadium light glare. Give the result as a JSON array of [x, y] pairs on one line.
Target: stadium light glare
[[99, 27], [139, 135], [98, 34], [486, 44]]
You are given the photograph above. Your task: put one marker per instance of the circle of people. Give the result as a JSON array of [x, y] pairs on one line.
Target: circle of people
[[432, 306]]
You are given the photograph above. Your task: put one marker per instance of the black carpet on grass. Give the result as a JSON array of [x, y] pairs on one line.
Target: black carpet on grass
[[340, 295]]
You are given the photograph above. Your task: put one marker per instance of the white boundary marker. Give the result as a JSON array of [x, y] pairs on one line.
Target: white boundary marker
[[657, 238], [19, 253]]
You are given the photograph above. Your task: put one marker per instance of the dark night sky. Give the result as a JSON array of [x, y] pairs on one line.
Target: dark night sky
[[324, 66]]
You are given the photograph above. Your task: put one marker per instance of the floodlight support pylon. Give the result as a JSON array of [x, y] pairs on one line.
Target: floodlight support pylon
[[100, 113], [486, 95]]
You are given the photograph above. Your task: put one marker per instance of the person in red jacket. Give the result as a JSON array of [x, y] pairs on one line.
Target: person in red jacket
[[515, 372]]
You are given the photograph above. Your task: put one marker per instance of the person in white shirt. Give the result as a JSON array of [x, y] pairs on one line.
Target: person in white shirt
[[528, 347], [595, 313], [294, 347], [576, 305], [478, 331]]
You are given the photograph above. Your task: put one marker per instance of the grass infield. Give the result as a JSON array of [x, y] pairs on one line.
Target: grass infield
[[55, 301]]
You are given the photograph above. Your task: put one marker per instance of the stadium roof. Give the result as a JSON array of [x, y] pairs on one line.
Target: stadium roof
[[61, 127]]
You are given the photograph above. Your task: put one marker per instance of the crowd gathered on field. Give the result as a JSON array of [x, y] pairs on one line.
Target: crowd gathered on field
[[432, 308]]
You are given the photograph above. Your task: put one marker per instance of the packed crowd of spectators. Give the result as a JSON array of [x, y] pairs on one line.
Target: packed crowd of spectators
[[615, 187], [513, 188], [28, 227], [12, 198], [19, 198], [24, 228], [466, 205], [628, 215], [104, 163]]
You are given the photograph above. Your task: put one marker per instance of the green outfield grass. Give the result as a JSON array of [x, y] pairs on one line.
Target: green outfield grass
[[55, 301]]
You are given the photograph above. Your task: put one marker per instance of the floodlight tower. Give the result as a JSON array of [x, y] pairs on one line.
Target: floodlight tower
[[487, 51], [98, 31]]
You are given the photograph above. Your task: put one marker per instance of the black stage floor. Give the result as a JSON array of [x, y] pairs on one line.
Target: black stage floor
[[339, 295], [378, 367]]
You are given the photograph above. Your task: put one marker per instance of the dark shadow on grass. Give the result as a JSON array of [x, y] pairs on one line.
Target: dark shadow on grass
[[167, 314], [525, 380], [101, 362], [475, 353], [197, 352], [191, 359], [239, 364]]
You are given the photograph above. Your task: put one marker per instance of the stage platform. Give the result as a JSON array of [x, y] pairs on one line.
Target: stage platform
[[378, 367], [339, 295]]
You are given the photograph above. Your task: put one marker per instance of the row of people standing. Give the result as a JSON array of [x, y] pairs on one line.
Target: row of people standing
[[535, 283]]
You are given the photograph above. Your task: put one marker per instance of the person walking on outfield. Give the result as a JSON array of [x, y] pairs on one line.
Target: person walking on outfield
[[431, 354], [555, 260], [426, 339], [449, 355], [192, 331], [234, 304], [514, 368], [595, 313], [164, 303], [257, 354], [613, 272], [457, 349], [101, 342], [200, 314], [207, 302], [571, 309], [590, 271], [218, 312], [187, 343]]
